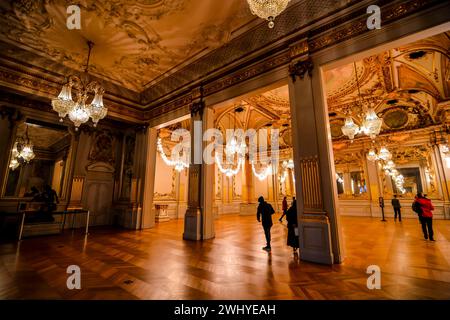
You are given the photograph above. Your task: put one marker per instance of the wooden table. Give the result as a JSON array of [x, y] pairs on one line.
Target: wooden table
[[63, 213]]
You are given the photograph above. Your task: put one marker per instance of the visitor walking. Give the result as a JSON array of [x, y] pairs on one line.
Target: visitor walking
[[284, 207], [264, 215], [426, 216]]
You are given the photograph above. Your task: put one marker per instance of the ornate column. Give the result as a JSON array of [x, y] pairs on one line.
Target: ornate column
[[290, 188], [314, 166], [374, 187], [347, 183], [148, 183], [248, 205], [442, 171], [199, 218]]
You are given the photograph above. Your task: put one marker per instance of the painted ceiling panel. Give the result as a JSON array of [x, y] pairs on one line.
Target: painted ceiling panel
[[136, 41]]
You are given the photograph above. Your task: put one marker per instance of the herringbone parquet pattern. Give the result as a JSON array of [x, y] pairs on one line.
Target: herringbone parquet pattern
[[157, 264]]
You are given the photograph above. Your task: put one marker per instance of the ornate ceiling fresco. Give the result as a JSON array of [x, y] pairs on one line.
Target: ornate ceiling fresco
[[136, 41], [407, 86], [269, 110]]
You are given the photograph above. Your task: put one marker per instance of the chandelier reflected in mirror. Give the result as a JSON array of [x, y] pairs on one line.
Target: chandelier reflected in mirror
[[384, 154], [22, 151], [389, 167], [371, 123], [267, 9], [78, 110]]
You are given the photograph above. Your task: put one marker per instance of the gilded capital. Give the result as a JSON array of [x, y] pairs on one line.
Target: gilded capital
[[300, 68]]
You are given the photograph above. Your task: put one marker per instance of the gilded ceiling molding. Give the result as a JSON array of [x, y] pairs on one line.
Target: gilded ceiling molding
[[354, 28], [41, 87], [299, 49], [35, 84]]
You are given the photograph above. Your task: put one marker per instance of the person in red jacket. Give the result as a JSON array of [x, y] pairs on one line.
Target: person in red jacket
[[284, 207], [426, 218]]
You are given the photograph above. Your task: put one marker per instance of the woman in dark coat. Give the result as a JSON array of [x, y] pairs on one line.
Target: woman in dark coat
[[291, 217]]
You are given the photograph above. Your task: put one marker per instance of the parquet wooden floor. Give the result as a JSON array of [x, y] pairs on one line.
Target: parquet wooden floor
[[158, 264]]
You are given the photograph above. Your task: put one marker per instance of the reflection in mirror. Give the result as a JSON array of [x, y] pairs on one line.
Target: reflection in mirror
[[358, 183], [51, 144], [413, 182], [128, 161], [340, 183]]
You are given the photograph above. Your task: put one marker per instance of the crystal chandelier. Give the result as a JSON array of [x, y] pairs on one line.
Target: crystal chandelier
[[22, 151], [77, 110], [264, 173], [286, 165], [267, 9], [350, 129], [384, 154], [230, 171], [233, 149], [371, 124], [179, 163]]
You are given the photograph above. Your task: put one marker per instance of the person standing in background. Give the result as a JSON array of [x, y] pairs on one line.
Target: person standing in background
[[396, 204], [291, 217]]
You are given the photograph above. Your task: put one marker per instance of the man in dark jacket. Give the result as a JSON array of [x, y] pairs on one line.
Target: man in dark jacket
[[396, 204], [264, 213]]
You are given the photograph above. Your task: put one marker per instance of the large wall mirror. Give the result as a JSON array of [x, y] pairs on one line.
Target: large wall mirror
[[50, 149]]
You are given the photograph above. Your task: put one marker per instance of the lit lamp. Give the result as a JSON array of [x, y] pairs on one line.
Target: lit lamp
[[22, 151], [77, 109], [267, 9], [63, 103], [14, 164], [372, 124], [79, 115], [372, 155], [384, 154], [350, 129]]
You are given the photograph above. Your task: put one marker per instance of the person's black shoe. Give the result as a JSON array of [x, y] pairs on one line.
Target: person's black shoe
[[431, 239], [266, 248], [426, 237]]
